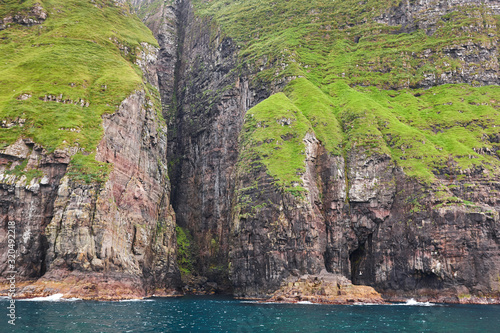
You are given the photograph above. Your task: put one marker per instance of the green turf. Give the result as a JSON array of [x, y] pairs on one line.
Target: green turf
[[357, 84], [272, 134], [83, 56]]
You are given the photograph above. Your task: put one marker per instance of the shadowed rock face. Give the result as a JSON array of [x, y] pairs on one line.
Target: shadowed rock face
[[204, 102], [29, 205]]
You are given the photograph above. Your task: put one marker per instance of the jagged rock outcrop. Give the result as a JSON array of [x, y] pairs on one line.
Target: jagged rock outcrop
[[125, 226], [425, 14], [325, 288], [274, 234], [29, 202], [35, 15], [110, 236]]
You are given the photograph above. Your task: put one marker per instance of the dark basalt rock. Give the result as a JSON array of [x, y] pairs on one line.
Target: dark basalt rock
[[355, 219]]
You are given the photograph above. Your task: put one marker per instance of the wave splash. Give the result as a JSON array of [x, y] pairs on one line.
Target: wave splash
[[413, 302]]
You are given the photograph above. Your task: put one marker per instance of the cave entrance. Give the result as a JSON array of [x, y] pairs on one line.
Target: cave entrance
[[357, 258]]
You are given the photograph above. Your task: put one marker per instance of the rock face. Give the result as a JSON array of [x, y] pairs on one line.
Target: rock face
[[106, 239], [361, 216], [125, 226], [274, 234], [325, 288], [204, 103], [29, 204], [478, 61]]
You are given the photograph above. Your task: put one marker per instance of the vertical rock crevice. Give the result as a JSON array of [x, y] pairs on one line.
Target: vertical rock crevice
[[204, 102]]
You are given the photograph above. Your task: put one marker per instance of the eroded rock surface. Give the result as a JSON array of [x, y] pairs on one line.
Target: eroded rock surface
[[95, 238], [325, 288]]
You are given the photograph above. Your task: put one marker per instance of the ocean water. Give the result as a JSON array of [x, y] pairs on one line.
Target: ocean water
[[223, 314]]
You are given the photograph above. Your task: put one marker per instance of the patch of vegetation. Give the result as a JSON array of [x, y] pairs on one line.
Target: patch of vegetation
[[184, 250], [444, 128], [86, 169], [329, 40], [319, 110], [357, 83], [60, 77], [273, 135], [12, 7], [438, 130], [20, 170]]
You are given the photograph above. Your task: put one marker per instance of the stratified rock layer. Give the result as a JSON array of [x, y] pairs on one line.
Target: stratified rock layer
[[107, 238]]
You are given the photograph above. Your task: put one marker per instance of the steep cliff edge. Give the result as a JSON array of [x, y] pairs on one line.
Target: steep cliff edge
[[204, 103], [84, 171], [371, 158]]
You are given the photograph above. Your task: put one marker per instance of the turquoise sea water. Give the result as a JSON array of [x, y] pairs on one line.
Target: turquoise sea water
[[221, 314]]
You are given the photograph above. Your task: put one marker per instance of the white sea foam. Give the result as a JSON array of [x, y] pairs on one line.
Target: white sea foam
[[136, 300], [51, 298], [304, 302], [410, 302], [413, 302]]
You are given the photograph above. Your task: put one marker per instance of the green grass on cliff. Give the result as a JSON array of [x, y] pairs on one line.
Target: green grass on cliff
[[184, 250], [449, 127], [357, 84], [425, 131], [319, 109], [328, 40], [272, 134], [12, 7], [83, 53]]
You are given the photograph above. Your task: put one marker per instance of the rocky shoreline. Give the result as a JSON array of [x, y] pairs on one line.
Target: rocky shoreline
[[96, 287], [323, 288]]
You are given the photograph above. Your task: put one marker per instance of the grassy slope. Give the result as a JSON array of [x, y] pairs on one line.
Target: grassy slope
[[74, 53], [272, 135], [423, 130]]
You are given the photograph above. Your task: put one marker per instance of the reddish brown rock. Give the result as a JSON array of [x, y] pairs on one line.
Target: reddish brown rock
[[118, 235], [325, 288]]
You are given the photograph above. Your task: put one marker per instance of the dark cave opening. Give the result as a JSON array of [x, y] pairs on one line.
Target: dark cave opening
[[361, 261], [356, 259]]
